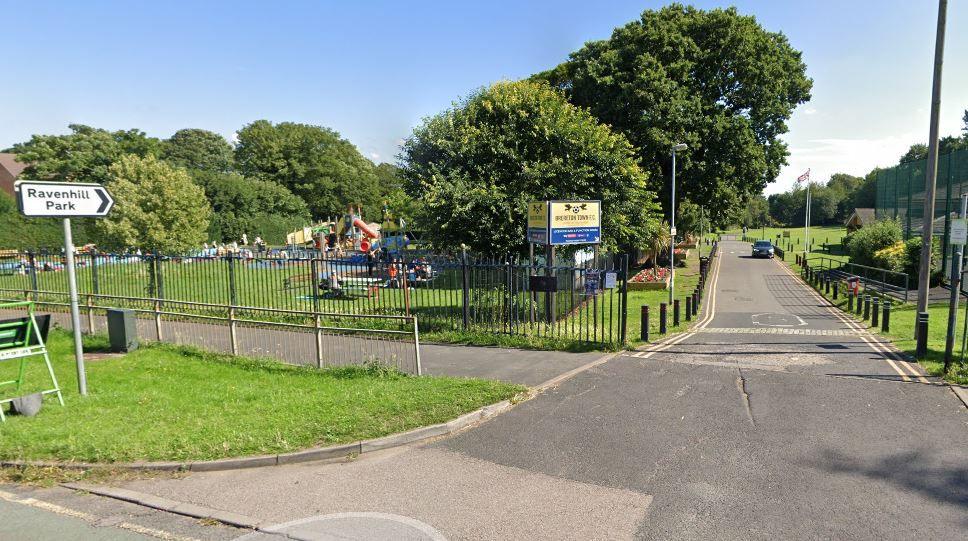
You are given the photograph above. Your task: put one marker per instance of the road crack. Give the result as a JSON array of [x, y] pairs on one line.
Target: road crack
[[741, 387]]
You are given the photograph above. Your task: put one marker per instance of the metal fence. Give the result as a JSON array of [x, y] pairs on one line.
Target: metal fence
[[900, 194], [448, 293], [295, 337], [881, 280]]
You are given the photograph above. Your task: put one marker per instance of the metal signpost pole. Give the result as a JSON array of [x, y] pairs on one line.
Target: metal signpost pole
[[75, 311], [672, 226], [66, 200], [959, 250]]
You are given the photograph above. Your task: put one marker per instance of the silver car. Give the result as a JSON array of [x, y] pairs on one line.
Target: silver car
[[763, 248]]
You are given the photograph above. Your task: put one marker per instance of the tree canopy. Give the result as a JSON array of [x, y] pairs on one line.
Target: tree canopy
[[84, 155], [476, 167], [251, 206], [715, 80], [157, 207], [198, 149], [313, 162]]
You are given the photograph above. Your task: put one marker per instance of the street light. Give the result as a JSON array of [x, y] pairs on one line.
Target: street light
[[672, 226]]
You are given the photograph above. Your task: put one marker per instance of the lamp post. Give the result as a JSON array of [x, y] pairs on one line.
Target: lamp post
[[672, 226]]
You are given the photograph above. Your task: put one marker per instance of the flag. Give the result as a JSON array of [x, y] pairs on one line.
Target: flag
[[804, 177]]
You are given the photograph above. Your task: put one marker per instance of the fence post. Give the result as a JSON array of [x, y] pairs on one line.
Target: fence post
[[319, 341], [550, 271], [663, 317], [157, 307], [886, 320], [508, 297], [233, 332], [33, 274], [466, 287], [623, 333], [313, 286], [90, 315], [95, 281], [416, 344], [644, 322], [232, 288], [160, 276]]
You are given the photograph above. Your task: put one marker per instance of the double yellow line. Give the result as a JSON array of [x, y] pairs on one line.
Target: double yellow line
[[709, 313], [893, 358]]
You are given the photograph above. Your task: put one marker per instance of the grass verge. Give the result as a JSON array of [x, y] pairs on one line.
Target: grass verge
[[171, 403]]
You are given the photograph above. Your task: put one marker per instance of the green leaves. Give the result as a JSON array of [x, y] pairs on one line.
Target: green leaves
[[157, 207], [475, 168], [714, 80]]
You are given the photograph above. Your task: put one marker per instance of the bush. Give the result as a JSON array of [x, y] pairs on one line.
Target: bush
[[867, 241], [912, 260], [894, 257]]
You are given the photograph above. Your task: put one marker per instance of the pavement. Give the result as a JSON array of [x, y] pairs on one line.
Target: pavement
[[773, 418]]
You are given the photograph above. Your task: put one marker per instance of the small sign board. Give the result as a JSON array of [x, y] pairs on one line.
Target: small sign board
[[610, 279], [959, 231], [62, 199], [538, 222], [543, 283], [592, 281]]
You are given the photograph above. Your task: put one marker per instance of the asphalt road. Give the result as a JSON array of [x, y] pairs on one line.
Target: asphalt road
[[773, 419]]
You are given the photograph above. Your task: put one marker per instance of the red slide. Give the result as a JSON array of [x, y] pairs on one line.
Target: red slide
[[365, 229]]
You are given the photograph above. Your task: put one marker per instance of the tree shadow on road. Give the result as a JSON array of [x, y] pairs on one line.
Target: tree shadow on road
[[908, 470]]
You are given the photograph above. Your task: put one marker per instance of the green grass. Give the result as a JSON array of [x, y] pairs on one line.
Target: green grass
[[686, 280], [825, 240], [168, 403], [901, 333]]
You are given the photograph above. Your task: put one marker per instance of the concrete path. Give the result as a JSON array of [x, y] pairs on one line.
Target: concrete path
[[774, 419]]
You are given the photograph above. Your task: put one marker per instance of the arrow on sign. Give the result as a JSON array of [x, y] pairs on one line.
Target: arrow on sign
[[62, 199]]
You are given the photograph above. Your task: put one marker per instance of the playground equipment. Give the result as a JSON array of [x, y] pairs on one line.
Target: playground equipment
[[22, 338]]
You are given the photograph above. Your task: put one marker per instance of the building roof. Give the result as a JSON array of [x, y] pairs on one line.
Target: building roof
[[864, 216], [10, 169]]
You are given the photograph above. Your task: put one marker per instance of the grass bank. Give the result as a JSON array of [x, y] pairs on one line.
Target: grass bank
[[169, 403]]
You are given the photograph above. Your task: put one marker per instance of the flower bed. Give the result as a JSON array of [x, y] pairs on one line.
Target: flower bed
[[649, 279]]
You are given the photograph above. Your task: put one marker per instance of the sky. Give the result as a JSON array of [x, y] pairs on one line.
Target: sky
[[372, 70]]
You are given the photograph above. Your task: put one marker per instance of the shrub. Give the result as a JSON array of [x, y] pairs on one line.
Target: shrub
[[912, 259], [894, 257], [863, 244]]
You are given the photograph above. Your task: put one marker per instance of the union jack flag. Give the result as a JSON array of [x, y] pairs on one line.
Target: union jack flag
[[804, 177]]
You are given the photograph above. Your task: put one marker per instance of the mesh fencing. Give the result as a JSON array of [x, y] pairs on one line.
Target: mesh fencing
[[900, 194]]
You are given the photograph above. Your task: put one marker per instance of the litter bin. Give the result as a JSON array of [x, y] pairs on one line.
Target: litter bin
[[122, 330]]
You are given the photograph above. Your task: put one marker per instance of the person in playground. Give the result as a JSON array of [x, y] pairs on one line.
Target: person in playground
[[393, 273]]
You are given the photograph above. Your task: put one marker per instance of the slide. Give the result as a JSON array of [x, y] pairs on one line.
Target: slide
[[365, 229]]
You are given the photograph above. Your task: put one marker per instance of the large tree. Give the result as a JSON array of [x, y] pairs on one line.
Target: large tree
[[198, 149], [476, 167], [84, 155], [157, 207], [250, 206], [313, 162], [715, 80]]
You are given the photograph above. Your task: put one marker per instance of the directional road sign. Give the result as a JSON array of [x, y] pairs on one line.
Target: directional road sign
[[62, 199]]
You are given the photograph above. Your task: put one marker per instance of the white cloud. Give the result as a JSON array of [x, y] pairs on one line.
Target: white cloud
[[375, 156], [810, 111], [825, 157]]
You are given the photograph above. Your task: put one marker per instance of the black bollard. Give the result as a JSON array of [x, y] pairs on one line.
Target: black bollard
[[826, 283], [695, 302], [867, 307], [886, 320], [663, 317], [688, 307], [675, 313], [644, 333], [875, 312], [850, 300], [836, 288], [921, 349], [860, 304]]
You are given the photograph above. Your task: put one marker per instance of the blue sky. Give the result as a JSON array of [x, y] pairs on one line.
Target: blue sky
[[372, 70]]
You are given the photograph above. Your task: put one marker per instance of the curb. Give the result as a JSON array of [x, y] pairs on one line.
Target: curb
[[306, 455], [170, 506]]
